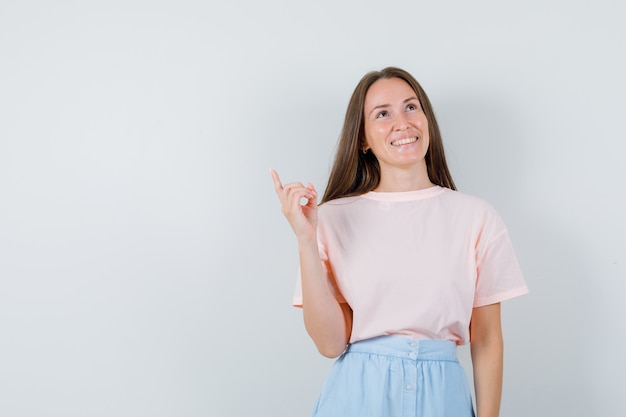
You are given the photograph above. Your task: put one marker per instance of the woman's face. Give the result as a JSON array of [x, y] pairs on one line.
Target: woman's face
[[396, 128]]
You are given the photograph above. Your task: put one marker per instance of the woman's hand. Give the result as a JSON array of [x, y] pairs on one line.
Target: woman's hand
[[328, 322], [302, 218]]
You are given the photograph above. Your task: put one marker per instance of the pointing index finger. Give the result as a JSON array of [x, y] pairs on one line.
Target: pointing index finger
[[277, 184]]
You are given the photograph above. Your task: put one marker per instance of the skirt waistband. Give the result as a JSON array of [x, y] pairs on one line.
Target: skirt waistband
[[406, 348]]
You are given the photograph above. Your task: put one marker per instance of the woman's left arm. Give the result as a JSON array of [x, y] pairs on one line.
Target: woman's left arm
[[487, 352]]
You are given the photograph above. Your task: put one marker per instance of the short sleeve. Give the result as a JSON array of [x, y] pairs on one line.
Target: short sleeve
[[499, 276], [297, 297]]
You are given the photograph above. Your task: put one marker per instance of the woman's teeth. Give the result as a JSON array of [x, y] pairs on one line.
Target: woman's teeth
[[403, 141]]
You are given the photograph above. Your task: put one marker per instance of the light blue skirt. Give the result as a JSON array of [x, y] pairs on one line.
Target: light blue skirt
[[392, 376]]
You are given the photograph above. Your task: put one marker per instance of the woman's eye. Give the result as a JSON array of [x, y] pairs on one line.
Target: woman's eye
[[411, 107], [382, 114]]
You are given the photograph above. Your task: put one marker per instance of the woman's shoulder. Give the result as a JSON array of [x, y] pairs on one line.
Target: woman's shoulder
[[468, 203], [462, 197], [339, 204]]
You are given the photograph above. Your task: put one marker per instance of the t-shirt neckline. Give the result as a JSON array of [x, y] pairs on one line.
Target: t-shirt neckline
[[404, 195]]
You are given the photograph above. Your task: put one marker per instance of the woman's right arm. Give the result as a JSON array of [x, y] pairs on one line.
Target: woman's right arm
[[327, 321]]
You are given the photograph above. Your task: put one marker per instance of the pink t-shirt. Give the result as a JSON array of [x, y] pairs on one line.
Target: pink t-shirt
[[415, 263]]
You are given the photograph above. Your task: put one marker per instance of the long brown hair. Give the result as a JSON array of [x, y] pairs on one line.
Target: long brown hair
[[356, 173]]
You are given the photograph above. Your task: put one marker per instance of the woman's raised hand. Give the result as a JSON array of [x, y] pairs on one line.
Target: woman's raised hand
[[302, 218]]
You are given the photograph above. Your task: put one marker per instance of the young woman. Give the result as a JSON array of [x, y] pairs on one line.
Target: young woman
[[398, 268]]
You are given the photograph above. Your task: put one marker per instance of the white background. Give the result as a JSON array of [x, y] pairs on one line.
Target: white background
[[145, 268]]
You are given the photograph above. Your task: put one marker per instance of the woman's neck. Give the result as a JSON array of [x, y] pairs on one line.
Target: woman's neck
[[398, 180]]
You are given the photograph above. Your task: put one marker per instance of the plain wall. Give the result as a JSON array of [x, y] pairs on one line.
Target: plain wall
[[145, 267]]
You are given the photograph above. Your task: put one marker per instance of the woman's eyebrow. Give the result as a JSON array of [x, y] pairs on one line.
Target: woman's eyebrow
[[382, 106]]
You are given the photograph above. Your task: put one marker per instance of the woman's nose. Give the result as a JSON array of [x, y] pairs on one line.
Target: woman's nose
[[402, 122]]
